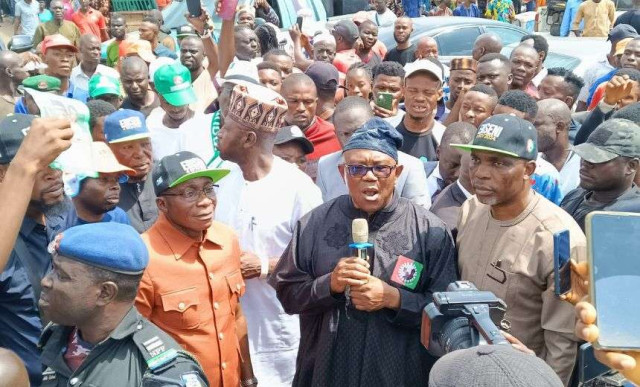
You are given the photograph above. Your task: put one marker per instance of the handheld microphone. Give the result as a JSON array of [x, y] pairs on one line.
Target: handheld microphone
[[360, 236]]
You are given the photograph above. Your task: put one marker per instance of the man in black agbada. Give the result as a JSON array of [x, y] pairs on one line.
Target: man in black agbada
[[370, 337]]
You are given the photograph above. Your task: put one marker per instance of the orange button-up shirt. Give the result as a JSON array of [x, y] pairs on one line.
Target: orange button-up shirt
[[191, 290]]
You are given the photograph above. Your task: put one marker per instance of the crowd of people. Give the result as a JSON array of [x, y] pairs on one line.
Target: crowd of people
[[196, 231]]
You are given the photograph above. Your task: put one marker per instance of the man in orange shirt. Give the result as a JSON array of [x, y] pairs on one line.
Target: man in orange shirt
[[90, 21], [192, 285]]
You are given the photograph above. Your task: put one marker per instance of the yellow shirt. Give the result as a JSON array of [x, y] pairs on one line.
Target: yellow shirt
[[598, 18]]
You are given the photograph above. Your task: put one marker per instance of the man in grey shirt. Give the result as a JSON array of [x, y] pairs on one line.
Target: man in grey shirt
[[26, 19], [350, 114]]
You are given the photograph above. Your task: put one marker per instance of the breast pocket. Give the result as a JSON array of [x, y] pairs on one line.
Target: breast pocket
[[180, 308], [236, 289]]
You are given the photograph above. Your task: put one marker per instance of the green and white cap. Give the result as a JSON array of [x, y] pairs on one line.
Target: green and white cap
[[173, 83]]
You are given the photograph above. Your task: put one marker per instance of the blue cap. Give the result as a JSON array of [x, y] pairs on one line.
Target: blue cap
[[125, 125], [378, 135], [110, 246]]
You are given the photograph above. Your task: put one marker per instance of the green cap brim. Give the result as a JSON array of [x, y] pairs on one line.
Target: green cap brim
[[214, 174], [593, 154], [182, 97], [104, 90], [469, 148]]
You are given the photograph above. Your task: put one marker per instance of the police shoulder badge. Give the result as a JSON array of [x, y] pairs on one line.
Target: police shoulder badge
[[407, 272]]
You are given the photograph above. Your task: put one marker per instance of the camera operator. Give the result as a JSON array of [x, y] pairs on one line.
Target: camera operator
[[505, 240]]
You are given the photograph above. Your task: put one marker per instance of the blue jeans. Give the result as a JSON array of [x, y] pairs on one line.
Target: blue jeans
[[569, 16]]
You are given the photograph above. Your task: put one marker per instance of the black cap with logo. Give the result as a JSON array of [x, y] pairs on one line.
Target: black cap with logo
[[180, 167], [505, 134]]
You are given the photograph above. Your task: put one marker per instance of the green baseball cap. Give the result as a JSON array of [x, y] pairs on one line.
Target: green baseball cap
[[42, 83], [613, 138], [101, 84], [173, 83], [505, 134]]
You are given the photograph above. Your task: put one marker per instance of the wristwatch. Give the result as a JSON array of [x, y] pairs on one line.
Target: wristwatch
[[249, 382]]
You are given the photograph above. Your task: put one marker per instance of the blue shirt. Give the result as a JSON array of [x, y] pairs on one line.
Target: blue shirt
[[20, 324], [605, 78], [70, 219], [473, 11], [161, 51], [72, 92]]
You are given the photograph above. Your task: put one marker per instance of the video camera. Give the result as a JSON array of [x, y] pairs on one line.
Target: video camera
[[461, 317]]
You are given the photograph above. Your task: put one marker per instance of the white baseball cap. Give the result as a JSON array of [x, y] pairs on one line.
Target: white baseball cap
[[423, 65]]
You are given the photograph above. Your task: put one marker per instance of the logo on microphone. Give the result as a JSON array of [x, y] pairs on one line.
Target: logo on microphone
[[407, 272]]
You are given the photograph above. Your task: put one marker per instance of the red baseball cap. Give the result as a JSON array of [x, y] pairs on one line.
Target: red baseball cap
[[57, 40]]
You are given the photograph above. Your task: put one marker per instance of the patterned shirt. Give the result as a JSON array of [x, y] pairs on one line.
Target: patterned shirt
[[500, 10]]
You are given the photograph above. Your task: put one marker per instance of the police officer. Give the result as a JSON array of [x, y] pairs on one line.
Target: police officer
[[97, 337]]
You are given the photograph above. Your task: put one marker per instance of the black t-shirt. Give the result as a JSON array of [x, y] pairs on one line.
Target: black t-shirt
[[630, 17], [402, 56], [418, 144], [578, 205], [126, 104]]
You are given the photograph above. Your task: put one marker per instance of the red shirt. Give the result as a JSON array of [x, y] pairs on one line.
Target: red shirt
[[344, 59], [89, 23], [322, 135], [77, 350]]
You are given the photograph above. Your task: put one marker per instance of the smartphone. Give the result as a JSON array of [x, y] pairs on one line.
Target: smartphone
[[299, 22], [562, 262], [614, 277], [194, 7], [385, 100]]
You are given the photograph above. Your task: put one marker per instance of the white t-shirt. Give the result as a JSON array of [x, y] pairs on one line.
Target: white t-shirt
[[264, 213], [384, 20], [167, 141], [570, 173]]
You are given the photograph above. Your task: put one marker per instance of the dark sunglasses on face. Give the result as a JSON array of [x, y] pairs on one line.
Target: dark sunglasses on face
[[382, 171]]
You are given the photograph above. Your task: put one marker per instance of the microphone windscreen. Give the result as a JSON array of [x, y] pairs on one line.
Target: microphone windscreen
[[360, 230]]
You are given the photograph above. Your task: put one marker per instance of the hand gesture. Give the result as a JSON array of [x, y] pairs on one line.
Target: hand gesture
[[618, 88], [349, 272], [261, 4], [250, 265], [628, 363], [359, 45], [44, 142], [295, 33], [200, 23], [370, 296]]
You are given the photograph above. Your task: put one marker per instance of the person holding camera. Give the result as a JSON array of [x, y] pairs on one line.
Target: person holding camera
[[360, 319], [506, 240]]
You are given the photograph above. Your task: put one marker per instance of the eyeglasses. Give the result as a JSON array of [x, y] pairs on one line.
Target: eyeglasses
[[383, 171], [192, 195]]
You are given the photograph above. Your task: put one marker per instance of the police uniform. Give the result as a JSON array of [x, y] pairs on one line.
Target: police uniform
[[136, 352]]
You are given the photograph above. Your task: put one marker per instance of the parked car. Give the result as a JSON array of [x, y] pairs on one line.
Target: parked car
[[455, 35]]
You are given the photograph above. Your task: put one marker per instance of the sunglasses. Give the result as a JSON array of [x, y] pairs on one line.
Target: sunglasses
[[358, 170]]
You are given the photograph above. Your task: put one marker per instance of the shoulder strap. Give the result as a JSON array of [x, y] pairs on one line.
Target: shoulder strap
[[24, 255]]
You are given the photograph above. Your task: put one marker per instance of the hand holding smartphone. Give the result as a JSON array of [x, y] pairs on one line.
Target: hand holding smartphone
[[385, 100]]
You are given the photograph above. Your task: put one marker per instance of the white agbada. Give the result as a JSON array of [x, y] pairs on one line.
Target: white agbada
[[263, 213]]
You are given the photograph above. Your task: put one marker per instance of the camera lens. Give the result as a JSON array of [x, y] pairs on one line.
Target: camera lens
[[457, 334]]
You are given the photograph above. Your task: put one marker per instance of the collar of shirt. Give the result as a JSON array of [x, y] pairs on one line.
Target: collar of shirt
[[28, 225], [178, 242], [466, 193], [539, 77], [377, 220]]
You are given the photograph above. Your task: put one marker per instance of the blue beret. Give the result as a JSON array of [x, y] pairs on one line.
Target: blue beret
[[378, 135], [110, 246]]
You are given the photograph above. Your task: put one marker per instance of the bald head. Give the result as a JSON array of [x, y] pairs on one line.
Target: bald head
[[134, 64], [297, 80], [402, 29], [486, 43], [556, 109], [552, 123], [11, 72], [12, 369], [302, 99], [426, 47], [350, 114]]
